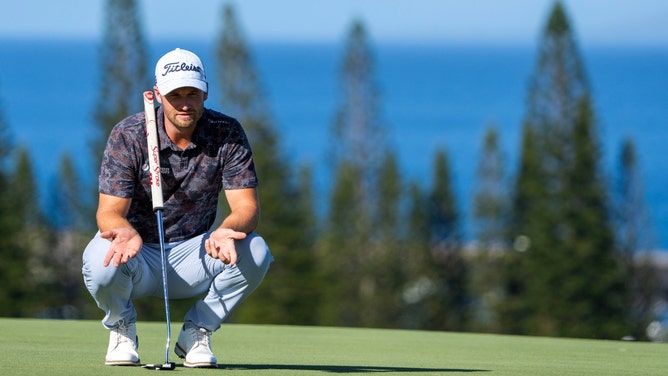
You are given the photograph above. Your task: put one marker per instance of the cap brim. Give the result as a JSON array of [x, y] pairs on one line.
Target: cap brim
[[169, 86]]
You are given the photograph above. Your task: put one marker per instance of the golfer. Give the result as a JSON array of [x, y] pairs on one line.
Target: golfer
[[202, 152]]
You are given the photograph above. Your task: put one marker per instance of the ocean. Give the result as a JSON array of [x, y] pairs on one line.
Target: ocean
[[432, 96]]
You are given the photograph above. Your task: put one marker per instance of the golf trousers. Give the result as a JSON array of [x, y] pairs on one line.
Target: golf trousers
[[191, 272]]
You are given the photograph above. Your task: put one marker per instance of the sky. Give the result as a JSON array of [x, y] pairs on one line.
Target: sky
[[596, 22]]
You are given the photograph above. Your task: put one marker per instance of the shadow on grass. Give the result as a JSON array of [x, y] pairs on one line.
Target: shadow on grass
[[340, 369]]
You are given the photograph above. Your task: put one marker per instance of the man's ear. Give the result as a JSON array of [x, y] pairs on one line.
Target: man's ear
[[157, 94]]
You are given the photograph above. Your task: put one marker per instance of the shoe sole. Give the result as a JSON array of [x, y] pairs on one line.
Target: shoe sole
[[200, 365], [122, 363]]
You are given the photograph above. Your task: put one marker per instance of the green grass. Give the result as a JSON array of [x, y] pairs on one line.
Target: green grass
[[48, 347]]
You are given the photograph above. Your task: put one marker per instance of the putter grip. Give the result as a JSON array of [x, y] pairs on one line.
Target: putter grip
[[153, 151]]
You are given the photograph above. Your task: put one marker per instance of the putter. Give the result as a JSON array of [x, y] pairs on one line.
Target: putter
[[156, 197]]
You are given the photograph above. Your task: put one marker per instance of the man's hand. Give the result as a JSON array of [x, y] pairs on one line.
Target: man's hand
[[220, 245], [125, 244]]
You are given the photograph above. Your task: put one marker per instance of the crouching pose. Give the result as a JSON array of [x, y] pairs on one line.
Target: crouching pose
[[202, 152]]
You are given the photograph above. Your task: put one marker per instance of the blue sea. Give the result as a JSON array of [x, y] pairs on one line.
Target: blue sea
[[432, 96]]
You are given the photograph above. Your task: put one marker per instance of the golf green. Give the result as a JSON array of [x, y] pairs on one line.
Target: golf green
[[51, 347]]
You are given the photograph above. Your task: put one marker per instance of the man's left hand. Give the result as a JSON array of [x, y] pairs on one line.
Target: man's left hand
[[220, 245]]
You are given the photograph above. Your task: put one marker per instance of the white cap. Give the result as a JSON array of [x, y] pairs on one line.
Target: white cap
[[180, 68]]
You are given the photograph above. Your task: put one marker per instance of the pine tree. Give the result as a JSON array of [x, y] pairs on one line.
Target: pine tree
[[596, 279], [383, 272], [449, 307], [72, 230], [357, 151], [490, 210], [420, 275], [13, 266], [23, 189], [529, 204], [389, 193], [66, 207], [358, 127], [21, 228], [287, 215], [28, 234], [340, 251], [634, 237], [561, 209], [6, 145], [123, 65], [490, 216], [633, 223]]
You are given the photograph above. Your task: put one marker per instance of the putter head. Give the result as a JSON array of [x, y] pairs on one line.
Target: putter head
[[170, 366]]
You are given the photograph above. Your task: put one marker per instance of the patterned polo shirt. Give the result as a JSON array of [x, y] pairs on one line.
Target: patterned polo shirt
[[218, 158]]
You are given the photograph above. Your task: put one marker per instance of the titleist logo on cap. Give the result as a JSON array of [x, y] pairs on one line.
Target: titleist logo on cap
[[179, 67]]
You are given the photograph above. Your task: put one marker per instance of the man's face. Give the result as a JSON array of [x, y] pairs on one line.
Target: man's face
[[183, 107]]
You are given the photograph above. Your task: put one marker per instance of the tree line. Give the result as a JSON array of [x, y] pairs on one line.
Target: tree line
[[555, 250]]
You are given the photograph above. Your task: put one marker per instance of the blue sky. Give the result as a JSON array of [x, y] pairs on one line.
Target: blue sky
[[627, 22]]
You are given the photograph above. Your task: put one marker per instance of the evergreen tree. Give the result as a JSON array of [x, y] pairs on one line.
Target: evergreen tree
[[633, 224], [594, 279], [420, 273], [123, 65], [445, 226], [358, 128], [20, 228], [6, 146], [66, 206], [383, 272], [561, 209], [288, 219], [28, 234], [13, 265], [529, 226], [389, 193], [635, 237], [490, 213], [341, 247], [449, 307], [72, 230], [490, 210], [347, 251]]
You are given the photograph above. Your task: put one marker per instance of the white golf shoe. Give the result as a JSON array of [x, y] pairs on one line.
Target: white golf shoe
[[194, 346], [123, 344]]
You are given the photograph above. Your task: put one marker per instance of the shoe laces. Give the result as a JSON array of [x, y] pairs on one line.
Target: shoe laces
[[122, 334], [200, 337]]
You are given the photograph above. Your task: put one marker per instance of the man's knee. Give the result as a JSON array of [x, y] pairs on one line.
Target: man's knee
[[259, 251], [93, 269]]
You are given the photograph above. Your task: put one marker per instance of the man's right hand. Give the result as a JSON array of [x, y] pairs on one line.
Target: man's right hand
[[125, 244]]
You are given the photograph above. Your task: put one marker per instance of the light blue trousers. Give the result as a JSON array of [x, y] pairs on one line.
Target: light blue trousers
[[190, 272]]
